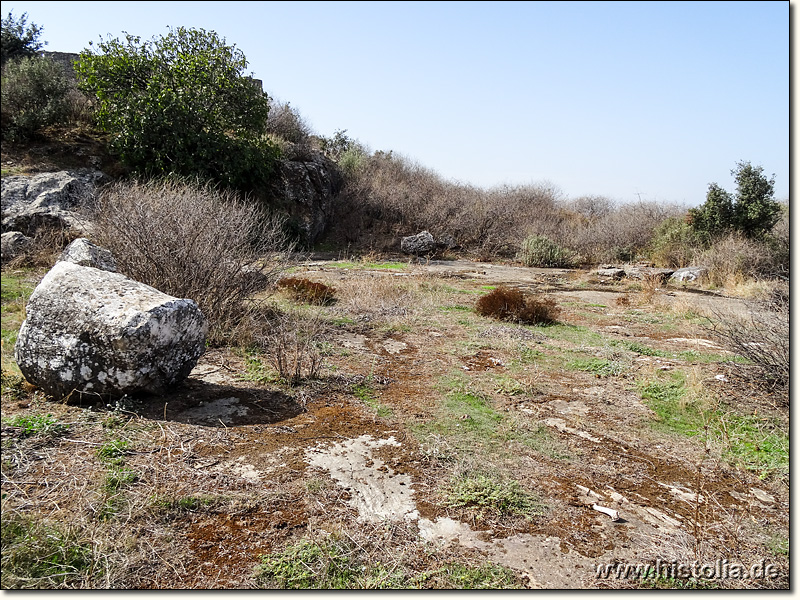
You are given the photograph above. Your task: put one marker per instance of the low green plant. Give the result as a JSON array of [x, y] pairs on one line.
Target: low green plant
[[328, 564], [119, 477], [484, 577], [540, 251], [496, 497], [41, 555], [366, 393], [37, 424], [601, 367], [676, 410], [113, 451]]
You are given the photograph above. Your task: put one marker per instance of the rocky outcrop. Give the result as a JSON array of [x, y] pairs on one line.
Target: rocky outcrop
[[85, 253], [31, 202], [93, 331], [418, 245], [13, 243], [307, 190]]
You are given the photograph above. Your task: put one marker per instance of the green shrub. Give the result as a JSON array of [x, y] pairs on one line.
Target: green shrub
[[508, 304], [674, 244], [181, 104], [540, 251], [34, 95]]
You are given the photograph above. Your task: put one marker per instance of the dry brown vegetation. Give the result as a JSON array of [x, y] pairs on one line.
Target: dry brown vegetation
[[191, 240]]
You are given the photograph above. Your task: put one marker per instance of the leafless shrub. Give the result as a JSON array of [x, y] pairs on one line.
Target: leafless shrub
[[286, 123], [292, 342], [736, 258], [193, 241], [47, 245], [508, 304], [762, 336]]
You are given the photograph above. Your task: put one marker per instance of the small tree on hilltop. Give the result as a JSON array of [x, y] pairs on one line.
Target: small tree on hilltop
[[17, 40], [752, 211], [181, 104]]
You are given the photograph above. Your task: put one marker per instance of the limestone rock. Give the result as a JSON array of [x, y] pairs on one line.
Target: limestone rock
[[93, 331], [648, 273], [30, 202], [13, 243], [307, 190], [613, 272], [419, 244], [690, 273], [85, 253]]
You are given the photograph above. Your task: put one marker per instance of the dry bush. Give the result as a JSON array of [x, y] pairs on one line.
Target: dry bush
[[762, 336], [292, 342], [47, 245], [287, 125], [305, 290], [508, 304], [193, 241], [734, 259], [388, 196]]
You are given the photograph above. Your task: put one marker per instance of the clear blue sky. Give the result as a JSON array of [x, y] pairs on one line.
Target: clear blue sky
[[621, 99]]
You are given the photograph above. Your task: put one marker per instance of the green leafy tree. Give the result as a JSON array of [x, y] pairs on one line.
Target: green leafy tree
[[752, 210], [181, 104], [17, 39]]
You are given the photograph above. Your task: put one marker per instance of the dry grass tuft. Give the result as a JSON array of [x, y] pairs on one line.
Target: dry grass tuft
[[311, 292]]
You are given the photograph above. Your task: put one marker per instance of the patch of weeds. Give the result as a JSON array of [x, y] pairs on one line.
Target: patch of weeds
[[366, 393], [37, 424], [779, 545], [541, 440], [112, 452], [642, 349], [527, 356], [575, 334], [174, 507], [600, 367], [455, 308], [709, 357], [38, 555], [329, 564], [485, 577], [676, 411], [256, 371], [755, 444], [117, 478], [508, 386], [14, 287], [496, 497]]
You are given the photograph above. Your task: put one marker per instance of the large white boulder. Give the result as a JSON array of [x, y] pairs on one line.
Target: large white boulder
[[93, 331]]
